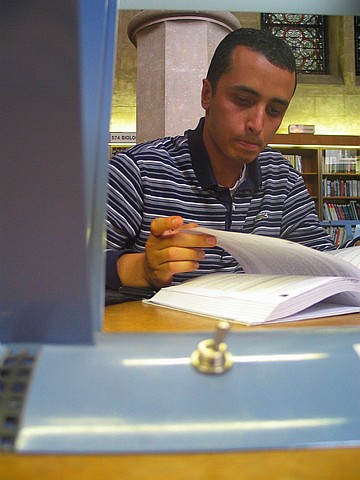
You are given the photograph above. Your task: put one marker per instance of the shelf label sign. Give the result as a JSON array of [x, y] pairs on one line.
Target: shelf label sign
[[122, 137]]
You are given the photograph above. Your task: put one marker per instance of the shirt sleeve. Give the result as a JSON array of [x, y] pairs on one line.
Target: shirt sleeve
[[301, 223], [123, 213], [112, 279]]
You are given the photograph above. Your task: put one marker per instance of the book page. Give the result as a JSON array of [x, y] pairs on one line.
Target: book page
[[319, 310], [253, 299], [275, 256], [351, 255]]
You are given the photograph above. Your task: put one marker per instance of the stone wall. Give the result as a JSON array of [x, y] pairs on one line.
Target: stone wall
[[331, 103]]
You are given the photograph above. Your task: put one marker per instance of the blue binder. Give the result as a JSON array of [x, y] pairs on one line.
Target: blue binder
[[139, 393]]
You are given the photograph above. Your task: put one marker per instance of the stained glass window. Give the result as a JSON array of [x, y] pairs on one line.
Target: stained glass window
[[357, 45], [307, 36]]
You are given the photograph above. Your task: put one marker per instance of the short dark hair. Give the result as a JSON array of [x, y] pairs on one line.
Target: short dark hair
[[276, 50]]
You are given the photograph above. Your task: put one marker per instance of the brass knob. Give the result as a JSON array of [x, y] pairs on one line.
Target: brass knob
[[211, 355]]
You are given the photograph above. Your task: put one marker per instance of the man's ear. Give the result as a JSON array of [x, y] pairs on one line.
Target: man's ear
[[206, 94]]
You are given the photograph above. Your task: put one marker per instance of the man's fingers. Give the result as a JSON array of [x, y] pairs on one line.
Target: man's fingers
[[170, 249], [161, 225], [162, 275], [176, 254], [189, 225], [180, 239]]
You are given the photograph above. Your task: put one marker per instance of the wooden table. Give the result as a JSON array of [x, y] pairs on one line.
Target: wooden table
[[139, 317], [334, 463]]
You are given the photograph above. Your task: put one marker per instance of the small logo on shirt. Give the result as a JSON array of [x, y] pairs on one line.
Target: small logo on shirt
[[261, 216]]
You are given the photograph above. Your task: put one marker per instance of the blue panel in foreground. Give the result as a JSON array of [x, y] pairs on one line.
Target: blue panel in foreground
[[139, 393]]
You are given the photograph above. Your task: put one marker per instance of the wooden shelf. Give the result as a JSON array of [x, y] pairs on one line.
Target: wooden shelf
[[323, 141]]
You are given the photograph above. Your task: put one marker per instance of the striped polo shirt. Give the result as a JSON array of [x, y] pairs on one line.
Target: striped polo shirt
[[173, 176]]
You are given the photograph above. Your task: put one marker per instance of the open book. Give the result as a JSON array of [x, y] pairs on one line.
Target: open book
[[283, 281]]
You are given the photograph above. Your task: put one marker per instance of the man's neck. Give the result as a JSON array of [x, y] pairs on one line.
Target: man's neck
[[227, 178], [226, 171]]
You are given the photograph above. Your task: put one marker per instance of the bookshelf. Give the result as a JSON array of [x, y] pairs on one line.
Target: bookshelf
[[330, 166]]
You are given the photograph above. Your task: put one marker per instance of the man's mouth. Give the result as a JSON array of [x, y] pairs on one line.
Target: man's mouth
[[248, 144]]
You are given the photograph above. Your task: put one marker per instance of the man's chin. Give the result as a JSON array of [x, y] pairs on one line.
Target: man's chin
[[247, 156], [245, 159]]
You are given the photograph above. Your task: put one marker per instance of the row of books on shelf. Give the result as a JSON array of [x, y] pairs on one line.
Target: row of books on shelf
[[340, 187], [341, 233], [342, 211], [338, 234], [296, 161], [341, 161]]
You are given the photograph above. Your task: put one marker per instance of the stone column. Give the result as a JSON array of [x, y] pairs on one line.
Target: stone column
[[174, 49]]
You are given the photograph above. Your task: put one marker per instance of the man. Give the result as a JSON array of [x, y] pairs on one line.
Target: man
[[221, 175]]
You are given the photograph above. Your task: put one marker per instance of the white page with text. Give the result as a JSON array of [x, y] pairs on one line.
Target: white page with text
[[275, 256]]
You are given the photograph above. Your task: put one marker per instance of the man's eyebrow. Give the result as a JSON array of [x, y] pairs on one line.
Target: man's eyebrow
[[245, 89]]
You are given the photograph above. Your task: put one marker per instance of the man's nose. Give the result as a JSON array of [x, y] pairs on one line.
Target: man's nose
[[255, 120]]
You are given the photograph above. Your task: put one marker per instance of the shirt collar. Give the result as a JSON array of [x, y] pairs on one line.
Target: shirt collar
[[203, 169]]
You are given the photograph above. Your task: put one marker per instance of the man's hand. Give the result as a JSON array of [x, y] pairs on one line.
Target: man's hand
[[170, 250]]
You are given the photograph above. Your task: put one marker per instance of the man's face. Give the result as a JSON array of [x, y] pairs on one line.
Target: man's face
[[246, 109]]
